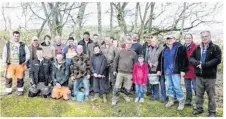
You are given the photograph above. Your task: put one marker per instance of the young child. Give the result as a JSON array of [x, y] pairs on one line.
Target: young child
[[140, 75], [98, 69]]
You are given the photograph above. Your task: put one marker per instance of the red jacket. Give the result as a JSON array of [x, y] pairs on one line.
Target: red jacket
[[140, 73], [191, 71]]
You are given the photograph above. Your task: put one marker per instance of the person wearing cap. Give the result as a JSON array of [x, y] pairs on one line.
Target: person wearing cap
[[70, 50], [98, 67], [59, 46], [152, 52], [60, 78], [140, 75], [173, 64], [48, 48], [14, 58], [32, 48], [110, 53], [123, 64], [80, 72], [205, 58], [189, 78], [87, 44], [40, 75]]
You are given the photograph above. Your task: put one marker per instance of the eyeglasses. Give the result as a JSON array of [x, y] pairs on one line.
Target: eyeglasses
[[169, 38]]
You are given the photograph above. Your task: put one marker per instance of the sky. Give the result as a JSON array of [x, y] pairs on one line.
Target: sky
[[91, 9]]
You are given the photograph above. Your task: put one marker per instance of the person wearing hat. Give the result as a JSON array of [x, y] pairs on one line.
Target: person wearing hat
[[87, 44], [39, 75], [173, 64], [32, 48], [70, 50], [151, 52], [60, 78], [140, 75]]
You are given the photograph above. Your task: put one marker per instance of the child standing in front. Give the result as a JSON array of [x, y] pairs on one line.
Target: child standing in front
[[140, 75]]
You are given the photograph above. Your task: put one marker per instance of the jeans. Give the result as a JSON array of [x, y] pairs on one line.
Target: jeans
[[139, 91], [155, 88], [174, 86], [189, 85], [77, 84], [163, 88]]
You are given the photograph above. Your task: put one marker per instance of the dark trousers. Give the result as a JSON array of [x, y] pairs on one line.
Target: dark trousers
[[20, 83], [99, 85], [190, 83], [163, 88], [110, 79], [207, 85]]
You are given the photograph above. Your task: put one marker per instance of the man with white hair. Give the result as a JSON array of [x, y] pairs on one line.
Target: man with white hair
[[205, 58], [80, 72]]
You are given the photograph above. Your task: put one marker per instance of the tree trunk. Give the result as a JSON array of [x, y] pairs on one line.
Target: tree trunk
[[4, 18], [151, 17], [99, 21], [111, 17], [136, 17], [182, 24]]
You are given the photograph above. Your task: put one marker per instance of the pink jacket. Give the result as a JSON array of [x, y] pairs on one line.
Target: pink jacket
[[140, 73]]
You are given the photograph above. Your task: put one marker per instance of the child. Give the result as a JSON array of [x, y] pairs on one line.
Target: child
[[140, 75], [98, 67]]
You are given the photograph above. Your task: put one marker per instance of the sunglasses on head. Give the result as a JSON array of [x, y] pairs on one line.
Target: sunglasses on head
[[35, 40], [168, 38]]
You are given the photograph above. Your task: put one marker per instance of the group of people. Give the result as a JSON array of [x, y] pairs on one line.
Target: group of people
[[62, 71]]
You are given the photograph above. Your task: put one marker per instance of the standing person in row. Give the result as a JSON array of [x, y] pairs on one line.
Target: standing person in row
[[59, 46], [98, 69], [110, 53], [123, 63], [70, 50], [137, 47], [140, 75], [152, 53], [15, 56], [173, 65], [40, 75], [60, 78], [32, 48], [48, 49], [189, 78], [80, 72], [205, 58]]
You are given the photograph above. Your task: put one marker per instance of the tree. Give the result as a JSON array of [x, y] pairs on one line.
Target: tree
[[99, 20]]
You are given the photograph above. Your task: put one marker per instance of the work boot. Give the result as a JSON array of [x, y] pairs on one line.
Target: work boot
[[96, 96], [181, 106], [188, 99], [114, 100], [105, 98], [170, 102]]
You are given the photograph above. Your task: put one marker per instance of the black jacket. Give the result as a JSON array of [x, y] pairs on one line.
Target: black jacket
[[22, 53], [98, 64], [180, 60], [60, 75], [209, 67], [89, 47], [36, 67]]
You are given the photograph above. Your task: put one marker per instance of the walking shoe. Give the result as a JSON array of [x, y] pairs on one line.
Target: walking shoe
[[136, 99], [181, 106], [170, 102], [196, 111], [96, 96], [212, 115], [20, 93], [126, 98], [141, 100], [104, 98], [113, 103]]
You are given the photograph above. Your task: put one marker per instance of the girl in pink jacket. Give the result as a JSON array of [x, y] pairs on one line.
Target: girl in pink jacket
[[140, 75]]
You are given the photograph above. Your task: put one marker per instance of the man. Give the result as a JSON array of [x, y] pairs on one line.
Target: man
[[58, 45], [205, 59], [48, 49], [173, 64], [60, 77], [70, 50], [80, 72], [123, 63], [110, 53], [136, 46], [189, 78], [87, 44], [39, 75], [96, 39], [15, 56], [152, 52]]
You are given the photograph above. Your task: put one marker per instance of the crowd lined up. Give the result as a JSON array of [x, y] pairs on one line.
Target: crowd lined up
[[60, 70]]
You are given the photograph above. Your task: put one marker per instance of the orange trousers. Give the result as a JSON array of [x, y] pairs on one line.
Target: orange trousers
[[15, 70], [61, 91]]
